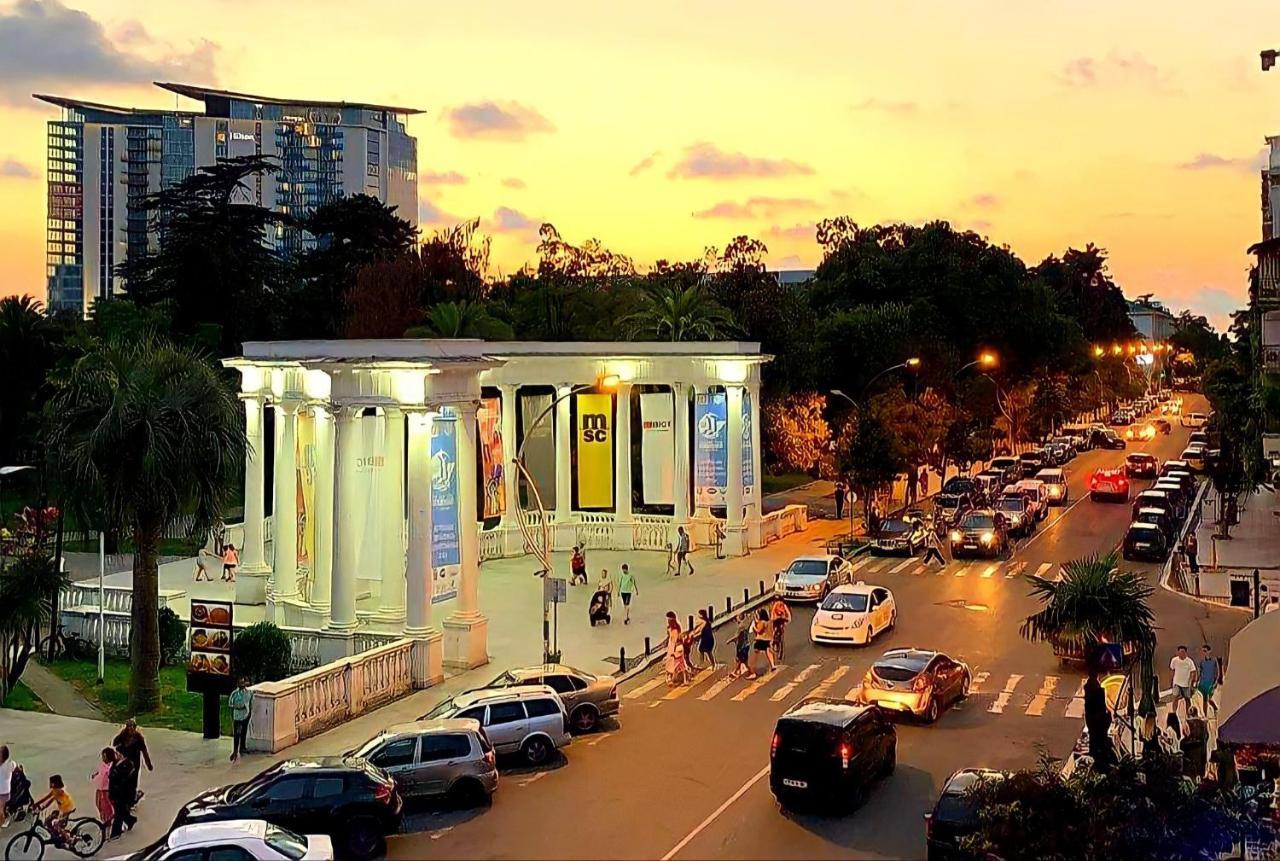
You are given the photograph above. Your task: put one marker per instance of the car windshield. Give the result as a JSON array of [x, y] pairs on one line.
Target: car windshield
[[285, 842], [947, 500], [841, 602], [978, 521], [895, 673], [958, 485], [895, 526], [955, 808], [443, 710], [1151, 517], [1011, 503], [808, 568]]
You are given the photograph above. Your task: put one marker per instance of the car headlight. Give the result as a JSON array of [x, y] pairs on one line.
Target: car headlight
[[988, 537], [1055, 491], [1015, 519], [955, 535]]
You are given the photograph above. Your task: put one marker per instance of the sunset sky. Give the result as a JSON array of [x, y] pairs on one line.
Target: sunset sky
[[663, 127]]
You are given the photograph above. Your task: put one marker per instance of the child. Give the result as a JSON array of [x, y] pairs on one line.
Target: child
[[101, 778], [62, 807], [681, 674], [741, 650]]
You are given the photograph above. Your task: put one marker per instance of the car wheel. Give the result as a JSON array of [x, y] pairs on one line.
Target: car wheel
[[931, 713], [964, 687], [466, 794], [536, 750], [871, 635], [893, 619], [363, 838], [585, 719], [891, 761]]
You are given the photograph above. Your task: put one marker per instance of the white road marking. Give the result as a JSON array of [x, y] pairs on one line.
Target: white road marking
[[918, 571], [975, 686], [1015, 570], [862, 563], [1075, 708], [1041, 699], [990, 570], [678, 692], [839, 673], [643, 689], [440, 832], [942, 570], [757, 685], [997, 707], [1043, 569], [597, 738], [532, 778], [742, 790], [903, 564], [713, 691], [963, 571], [782, 692], [853, 692]]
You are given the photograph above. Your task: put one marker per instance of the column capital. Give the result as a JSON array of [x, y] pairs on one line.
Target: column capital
[[290, 406], [471, 405], [257, 397], [393, 410]]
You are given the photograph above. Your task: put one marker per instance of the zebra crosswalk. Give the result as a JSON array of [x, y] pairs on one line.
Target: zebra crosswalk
[[982, 569], [990, 694]]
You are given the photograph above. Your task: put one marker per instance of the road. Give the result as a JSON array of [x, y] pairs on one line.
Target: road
[[684, 772]]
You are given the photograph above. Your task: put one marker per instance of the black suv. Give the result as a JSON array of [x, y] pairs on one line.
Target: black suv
[[954, 816], [346, 797], [830, 752]]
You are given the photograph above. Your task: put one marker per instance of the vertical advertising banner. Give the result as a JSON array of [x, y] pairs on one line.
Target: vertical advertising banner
[[748, 455], [657, 448], [444, 509], [306, 460], [493, 469], [594, 435], [711, 448], [539, 448]]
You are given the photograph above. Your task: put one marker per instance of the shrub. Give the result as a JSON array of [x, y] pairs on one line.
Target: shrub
[[173, 634], [261, 653]]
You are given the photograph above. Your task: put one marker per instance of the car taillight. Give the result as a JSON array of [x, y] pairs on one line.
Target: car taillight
[[920, 683], [773, 745], [383, 792], [846, 753], [928, 826], [491, 759]]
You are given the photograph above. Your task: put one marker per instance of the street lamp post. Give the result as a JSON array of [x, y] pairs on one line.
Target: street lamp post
[[542, 550]]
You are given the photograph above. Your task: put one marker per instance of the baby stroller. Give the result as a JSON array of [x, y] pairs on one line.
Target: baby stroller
[[19, 795], [598, 611]]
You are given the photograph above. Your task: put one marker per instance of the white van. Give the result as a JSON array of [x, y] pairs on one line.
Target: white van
[[1194, 420], [527, 719], [1055, 485], [1034, 490]]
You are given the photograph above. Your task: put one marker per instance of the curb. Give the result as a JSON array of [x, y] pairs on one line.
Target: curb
[[1166, 575]]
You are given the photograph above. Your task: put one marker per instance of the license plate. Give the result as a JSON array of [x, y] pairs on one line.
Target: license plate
[[971, 547], [795, 784]]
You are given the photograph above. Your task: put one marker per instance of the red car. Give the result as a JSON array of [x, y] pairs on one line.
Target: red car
[[1109, 484]]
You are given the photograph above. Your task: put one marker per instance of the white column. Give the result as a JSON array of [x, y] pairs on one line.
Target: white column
[[284, 568], [513, 542], [564, 534], [428, 647], [755, 511], [342, 612], [322, 585], [735, 543], [391, 516], [251, 579], [623, 534], [682, 463], [466, 630]]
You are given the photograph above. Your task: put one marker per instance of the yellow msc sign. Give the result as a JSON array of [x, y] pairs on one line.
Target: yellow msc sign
[[594, 436]]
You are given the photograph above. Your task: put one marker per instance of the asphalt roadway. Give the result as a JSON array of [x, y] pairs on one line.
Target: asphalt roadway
[[684, 773]]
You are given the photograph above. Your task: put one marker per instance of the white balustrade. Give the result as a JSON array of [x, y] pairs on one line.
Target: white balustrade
[[490, 543], [650, 531], [783, 522], [594, 529]]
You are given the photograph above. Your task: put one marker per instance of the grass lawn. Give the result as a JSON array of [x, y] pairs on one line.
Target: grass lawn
[[776, 483], [168, 546], [22, 699], [178, 709]]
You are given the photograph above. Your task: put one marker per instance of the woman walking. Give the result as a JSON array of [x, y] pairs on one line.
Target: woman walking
[[762, 634], [705, 639], [578, 566], [122, 783], [675, 660], [230, 560], [101, 779]]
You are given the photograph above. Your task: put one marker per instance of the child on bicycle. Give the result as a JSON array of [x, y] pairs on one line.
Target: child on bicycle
[[62, 807]]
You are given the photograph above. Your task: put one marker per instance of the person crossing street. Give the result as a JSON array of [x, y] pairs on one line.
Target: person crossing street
[[779, 616], [933, 548]]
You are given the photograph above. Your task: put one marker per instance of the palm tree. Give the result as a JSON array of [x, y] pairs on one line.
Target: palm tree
[[27, 587], [461, 319], [146, 432], [676, 313]]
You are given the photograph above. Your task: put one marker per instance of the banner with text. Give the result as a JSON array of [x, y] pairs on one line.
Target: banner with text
[[306, 493], [489, 417], [711, 448], [657, 448], [594, 437], [539, 449], [444, 509], [748, 455]]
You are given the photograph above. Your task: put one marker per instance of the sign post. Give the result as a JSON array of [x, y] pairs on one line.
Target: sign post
[[209, 669]]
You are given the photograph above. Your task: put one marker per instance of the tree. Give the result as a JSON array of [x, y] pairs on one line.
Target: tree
[[1139, 810], [1237, 423], [679, 314], [28, 584], [965, 441], [461, 319], [797, 437], [867, 452], [146, 433], [1084, 290], [28, 352], [1051, 404], [918, 425]]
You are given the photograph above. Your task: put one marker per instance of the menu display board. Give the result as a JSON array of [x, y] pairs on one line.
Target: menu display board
[[209, 638]]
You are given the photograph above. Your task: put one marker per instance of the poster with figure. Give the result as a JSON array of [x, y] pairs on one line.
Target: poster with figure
[[539, 449], [711, 448], [306, 494], [657, 448], [748, 455], [445, 557], [493, 467], [594, 442]]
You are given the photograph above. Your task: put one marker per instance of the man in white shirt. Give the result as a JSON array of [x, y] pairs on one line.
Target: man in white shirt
[[1183, 668]]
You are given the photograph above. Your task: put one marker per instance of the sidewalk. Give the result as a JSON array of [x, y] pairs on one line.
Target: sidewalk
[[1254, 543], [58, 695], [819, 495]]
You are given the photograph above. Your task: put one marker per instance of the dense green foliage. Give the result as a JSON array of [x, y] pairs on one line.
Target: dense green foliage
[[261, 653], [173, 636]]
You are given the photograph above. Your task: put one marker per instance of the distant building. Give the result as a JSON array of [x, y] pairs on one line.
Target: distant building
[[792, 277], [1271, 190], [103, 160], [1152, 320]]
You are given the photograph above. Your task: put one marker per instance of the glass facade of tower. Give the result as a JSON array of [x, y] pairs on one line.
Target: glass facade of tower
[[64, 252]]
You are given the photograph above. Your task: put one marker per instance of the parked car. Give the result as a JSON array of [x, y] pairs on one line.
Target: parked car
[[347, 798], [1055, 486], [918, 682], [1195, 458], [1031, 462], [1018, 513], [1037, 496], [529, 720], [1145, 541], [976, 534], [960, 485], [1057, 453], [436, 759], [990, 483], [1161, 517], [829, 752], [1010, 466], [1199, 437], [1194, 420], [1107, 439], [810, 578], [1178, 499], [953, 816], [853, 614], [899, 535], [948, 507], [586, 696], [1152, 498], [1109, 484], [1174, 466], [237, 840], [1140, 464]]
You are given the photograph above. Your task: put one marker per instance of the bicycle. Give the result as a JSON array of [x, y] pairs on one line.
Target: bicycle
[[85, 836], [68, 645]]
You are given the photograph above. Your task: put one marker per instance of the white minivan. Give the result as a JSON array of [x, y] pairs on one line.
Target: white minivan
[[528, 719]]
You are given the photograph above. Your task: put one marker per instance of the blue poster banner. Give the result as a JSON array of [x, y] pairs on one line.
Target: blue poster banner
[[711, 448], [748, 455], [444, 508]]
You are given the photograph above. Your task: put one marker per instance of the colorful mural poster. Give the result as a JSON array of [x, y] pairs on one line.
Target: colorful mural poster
[[711, 448], [444, 509], [493, 469]]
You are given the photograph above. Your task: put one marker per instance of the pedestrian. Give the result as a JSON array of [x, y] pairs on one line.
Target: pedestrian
[[741, 648], [924, 481], [578, 566], [1191, 547], [240, 702], [19, 794], [606, 583], [911, 486], [1183, 668], [719, 533], [130, 742], [1195, 745], [840, 495], [121, 785], [1208, 677], [101, 779], [779, 616], [762, 637], [230, 559], [682, 550], [626, 588], [7, 765], [201, 569], [706, 638], [933, 548], [674, 654]]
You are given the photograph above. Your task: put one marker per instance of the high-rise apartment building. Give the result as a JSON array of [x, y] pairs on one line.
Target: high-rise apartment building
[[103, 160]]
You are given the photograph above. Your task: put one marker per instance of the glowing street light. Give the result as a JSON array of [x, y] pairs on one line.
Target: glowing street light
[[1098, 351], [988, 359]]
